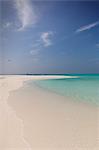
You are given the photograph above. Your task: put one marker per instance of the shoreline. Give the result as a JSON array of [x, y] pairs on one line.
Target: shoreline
[[44, 114], [9, 117]]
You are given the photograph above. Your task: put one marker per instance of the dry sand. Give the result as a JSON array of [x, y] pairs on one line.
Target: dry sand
[[36, 119]]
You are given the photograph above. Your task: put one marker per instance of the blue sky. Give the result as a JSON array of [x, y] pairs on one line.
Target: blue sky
[[49, 37]]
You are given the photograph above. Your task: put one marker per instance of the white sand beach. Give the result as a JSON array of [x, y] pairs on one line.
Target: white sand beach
[[36, 119]]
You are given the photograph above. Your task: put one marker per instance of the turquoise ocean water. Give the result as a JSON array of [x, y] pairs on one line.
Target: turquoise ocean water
[[83, 88]]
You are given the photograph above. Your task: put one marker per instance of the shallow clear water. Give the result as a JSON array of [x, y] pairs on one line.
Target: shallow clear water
[[82, 88]]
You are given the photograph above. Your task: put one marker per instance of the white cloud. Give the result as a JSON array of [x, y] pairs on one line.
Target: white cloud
[[87, 27], [26, 13], [46, 38]]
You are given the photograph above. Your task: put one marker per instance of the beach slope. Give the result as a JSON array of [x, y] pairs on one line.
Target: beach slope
[[32, 118]]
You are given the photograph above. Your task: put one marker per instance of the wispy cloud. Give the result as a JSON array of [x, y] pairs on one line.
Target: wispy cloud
[[95, 60], [7, 25], [26, 13], [44, 41], [34, 52], [97, 45], [87, 27], [46, 38]]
